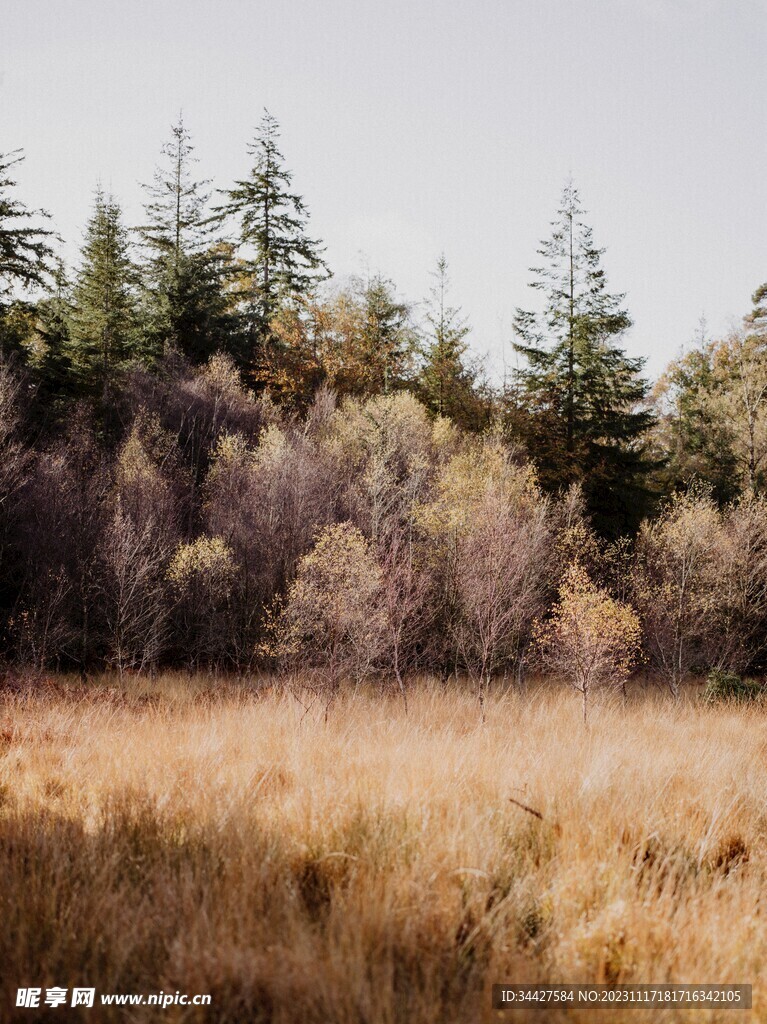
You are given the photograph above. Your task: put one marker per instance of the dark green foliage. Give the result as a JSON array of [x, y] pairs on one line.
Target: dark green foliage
[[278, 260], [104, 322], [25, 258], [17, 320], [185, 303], [50, 362], [581, 399], [727, 686], [387, 339], [695, 438], [446, 381], [757, 318], [25, 251]]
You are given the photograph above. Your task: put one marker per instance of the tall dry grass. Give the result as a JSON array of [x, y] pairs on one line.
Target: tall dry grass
[[373, 868]]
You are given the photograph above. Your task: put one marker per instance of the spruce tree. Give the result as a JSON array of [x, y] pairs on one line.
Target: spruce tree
[[279, 261], [387, 341], [25, 251], [446, 383], [103, 328], [185, 302], [582, 396], [25, 255], [756, 321], [51, 362]]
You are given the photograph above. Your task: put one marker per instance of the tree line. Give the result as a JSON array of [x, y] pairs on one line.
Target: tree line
[[214, 455]]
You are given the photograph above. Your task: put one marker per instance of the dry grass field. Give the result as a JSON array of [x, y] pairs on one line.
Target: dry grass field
[[180, 835]]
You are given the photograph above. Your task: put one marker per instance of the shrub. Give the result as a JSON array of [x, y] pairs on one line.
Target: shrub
[[728, 686]]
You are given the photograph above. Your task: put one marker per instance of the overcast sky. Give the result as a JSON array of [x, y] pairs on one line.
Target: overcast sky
[[417, 126]]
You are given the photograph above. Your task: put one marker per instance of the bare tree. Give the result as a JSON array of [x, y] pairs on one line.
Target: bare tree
[[136, 613], [673, 586], [490, 531], [267, 502], [15, 457], [408, 598], [63, 509], [738, 587], [502, 583]]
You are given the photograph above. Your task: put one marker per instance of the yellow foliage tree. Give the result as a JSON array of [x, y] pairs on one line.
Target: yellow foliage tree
[[591, 639], [333, 618], [201, 575]]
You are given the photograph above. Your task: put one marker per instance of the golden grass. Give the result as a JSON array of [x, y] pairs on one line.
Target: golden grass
[[374, 868]]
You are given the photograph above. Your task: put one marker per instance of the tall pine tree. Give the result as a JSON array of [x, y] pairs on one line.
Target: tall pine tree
[[185, 301], [446, 382], [279, 261], [104, 328], [583, 399]]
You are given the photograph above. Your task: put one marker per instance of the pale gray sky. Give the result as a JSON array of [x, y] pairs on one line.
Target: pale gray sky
[[416, 126]]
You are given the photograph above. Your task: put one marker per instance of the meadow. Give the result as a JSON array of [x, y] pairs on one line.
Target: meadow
[[187, 834]]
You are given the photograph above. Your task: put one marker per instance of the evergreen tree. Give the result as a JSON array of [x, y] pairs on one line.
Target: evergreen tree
[[51, 362], [376, 342], [446, 383], [103, 328], [756, 321], [713, 411], [186, 305], [25, 254], [25, 251], [279, 260], [582, 396]]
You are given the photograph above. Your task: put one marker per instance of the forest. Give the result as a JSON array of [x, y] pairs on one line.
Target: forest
[[341, 681], [215, 456]]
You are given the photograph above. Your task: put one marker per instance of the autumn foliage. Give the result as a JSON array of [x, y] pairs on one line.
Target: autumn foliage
[[591, 639]]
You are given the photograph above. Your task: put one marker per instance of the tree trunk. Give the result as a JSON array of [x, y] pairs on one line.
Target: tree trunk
[[400, 680]]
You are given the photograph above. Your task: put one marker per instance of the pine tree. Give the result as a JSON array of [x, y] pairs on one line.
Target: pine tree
[[25, 251], [103, 329], [582, 396], [279, 260], [756, 321], [25, 256], [375, 339], [51, 363], [446, 383], [185, 300]]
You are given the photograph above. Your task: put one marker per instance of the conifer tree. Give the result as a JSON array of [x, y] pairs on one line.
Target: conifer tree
[[51, 363], [583, 397], [185, 299], [103, 329], [25, 255], [756, 321], [446, 382], [388, 340], [25, 251], [279, 261], [713, 411]]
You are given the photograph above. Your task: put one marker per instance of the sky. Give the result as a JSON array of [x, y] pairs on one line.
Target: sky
[[417, 127]]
